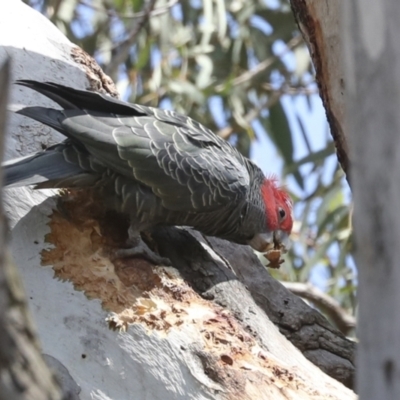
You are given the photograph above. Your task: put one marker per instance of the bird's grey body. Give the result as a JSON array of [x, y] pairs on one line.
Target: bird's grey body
[[157, 166]]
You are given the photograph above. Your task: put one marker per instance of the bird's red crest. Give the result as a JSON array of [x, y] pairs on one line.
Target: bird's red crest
[[278, 205]]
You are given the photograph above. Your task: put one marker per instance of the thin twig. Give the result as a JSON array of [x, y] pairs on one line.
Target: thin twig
[[122, 51], [341, 318], [290, 90]]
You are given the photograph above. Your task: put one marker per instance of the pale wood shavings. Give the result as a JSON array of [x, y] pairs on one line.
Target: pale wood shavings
[[84, 240]]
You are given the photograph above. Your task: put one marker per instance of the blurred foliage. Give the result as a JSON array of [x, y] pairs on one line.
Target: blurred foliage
[[224, 63]]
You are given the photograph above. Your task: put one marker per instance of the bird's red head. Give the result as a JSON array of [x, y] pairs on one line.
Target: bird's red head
[[278, 206]]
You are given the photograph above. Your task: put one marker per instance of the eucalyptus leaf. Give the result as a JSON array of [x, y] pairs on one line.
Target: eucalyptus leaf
[[281, 135], [315, 158], [302, 59]]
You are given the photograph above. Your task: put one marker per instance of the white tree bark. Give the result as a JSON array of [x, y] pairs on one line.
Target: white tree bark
[[170, 342], [371, 34]]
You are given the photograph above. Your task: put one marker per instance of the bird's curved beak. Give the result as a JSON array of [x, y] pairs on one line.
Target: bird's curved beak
[[281, 240], [264, 242]]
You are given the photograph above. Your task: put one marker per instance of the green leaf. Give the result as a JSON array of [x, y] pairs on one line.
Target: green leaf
[[144, 55], [333, 218], [66, 10], [280, 131], [315, 157], [319, 257], [204, 77], [302, 58], [187, 88], [244, 143], [260, 45], [282, 137], [283, 23]]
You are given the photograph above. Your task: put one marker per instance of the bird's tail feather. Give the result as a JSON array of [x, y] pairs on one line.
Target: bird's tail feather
[[70, 99], [47, 116], [52, 91], [36, 169]]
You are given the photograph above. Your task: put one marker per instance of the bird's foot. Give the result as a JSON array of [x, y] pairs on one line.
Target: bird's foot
[[142, 250]]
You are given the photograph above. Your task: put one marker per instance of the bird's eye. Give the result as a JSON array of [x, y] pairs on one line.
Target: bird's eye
[[282, 213]]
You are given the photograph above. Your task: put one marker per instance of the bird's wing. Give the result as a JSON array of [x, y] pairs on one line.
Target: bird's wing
[[188, 174], [185, 164]]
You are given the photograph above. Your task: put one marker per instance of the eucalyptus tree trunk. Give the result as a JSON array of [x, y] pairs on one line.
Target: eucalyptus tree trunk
[[366, 130], [203, 329], [319, 22], [371, 33]]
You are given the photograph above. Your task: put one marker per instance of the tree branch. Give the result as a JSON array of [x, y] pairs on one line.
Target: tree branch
[[342, 319], [305, 327], [122, 50]]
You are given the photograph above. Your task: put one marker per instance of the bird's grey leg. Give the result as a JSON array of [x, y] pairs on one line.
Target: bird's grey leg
[[139, 248]]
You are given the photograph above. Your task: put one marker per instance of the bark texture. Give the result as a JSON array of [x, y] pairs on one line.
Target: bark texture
[[193, 331], [331, 307], [303, 326], [318, 21], [23, 372], [370, 38]]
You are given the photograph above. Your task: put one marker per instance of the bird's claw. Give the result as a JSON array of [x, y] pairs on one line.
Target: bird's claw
[[141, 249]]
